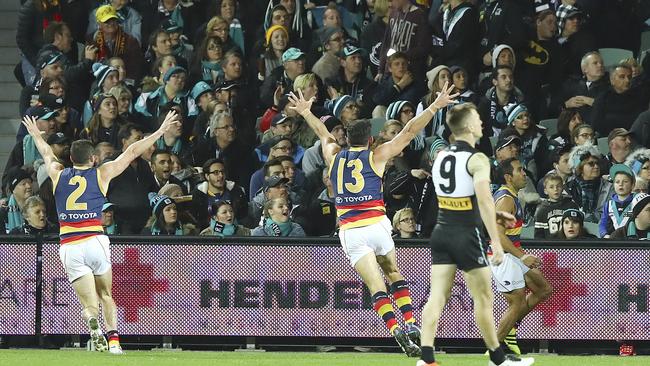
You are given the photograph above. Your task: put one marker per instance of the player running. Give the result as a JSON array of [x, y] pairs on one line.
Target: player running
[[462, 183], [518, 270], [80, 193], [365, 231]]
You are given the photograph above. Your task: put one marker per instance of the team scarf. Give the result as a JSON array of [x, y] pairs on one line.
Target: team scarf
[[589, 190], [221, 229], [174, 149], [156, 231], [15, 218], [274, 228]]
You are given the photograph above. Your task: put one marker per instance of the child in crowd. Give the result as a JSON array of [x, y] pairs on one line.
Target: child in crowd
[[617, 210], [548, 216]]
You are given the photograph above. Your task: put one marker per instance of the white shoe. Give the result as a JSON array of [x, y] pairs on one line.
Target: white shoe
[[97, 339], [514, 361], [115, 349]]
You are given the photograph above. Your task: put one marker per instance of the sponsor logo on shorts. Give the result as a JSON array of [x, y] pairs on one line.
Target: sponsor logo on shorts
[[455, 204]]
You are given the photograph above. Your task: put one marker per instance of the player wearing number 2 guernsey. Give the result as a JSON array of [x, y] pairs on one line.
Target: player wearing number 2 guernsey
[[365, 231], [80, 193]]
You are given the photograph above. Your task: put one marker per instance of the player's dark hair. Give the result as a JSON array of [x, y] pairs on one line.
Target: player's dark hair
[[81, 151], [505, 167], [457, 116], [270, 163], [358, 132], [159, 152], [495, 71]]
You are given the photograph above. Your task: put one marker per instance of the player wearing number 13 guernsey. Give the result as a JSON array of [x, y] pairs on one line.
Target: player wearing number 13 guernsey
[[365, 231], [461, 177], [79, 193]]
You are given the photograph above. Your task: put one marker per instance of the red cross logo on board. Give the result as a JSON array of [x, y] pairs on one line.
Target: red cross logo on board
[[134, 284], [564, 290]]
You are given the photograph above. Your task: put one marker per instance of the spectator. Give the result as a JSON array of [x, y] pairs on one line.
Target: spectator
[[458, 28], [502, 24], [48, 65], [351, 79], [533, 138], [539, 74], [173, 89], [118, 64], [311, 86], [567, 121], [124, 99], [103, 151], [293, 64], [201, 129], [390, 129], [639, 162], [130, 19], [317, 215], [399, 84], [172, 141], [223, 143], [281, 125], [104, 124], [619, 105], [588, 189], [313, 161], [616, 210], [560, 161], [549, 213], [501, 94], [402, 111], [180, 48], [25, 152], [638, 225], [506, 147], [108, 219], [217, 187], [160, 45], [575, 39], [328, 64], [277, 221], [228, 10], [106, 77], [67, 119], [206, 63], [573, 226], [158, 70], [436, 79], [164, 220], [35, 218], [408, 32], [277, 42], [183, 13], [404, 224], [581, 92], [275, 186], [274, 148], [583, 134], [111, 40], [128, 191], [373, 34], [344, 108], [222, 222], [218, 26], [60, 145], [461, 81], [19, 184], [502, 55], [620, 146], [161, 168]]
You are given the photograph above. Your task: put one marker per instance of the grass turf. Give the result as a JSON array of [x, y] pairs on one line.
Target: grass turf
[[142, 358]]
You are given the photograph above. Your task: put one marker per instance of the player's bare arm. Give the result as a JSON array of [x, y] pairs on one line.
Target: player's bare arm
[[327, 140], [392, 148], [114, 168], [51, 163], [480, 170]]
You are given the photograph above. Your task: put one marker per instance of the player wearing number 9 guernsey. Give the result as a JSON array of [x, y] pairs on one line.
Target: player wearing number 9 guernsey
[[461, 176], [79, 193], [365, 231]]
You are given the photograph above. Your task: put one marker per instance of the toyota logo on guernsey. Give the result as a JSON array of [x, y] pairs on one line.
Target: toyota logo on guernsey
[[77, 216]]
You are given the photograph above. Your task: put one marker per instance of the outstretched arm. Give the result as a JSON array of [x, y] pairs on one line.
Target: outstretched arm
[[393, 147], [52, 164], [114, 168], [327, 140]]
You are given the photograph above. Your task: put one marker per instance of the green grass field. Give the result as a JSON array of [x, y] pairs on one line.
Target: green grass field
[[190, 358]]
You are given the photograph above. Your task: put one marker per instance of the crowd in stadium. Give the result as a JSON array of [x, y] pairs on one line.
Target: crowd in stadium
[[244, 163]]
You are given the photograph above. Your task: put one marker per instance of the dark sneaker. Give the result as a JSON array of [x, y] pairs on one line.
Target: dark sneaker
[[97, 339], [411, 349], [413, 331]]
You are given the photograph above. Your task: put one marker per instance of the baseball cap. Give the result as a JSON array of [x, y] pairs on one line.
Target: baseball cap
[[199, 89], [170, 26], [58, 138], [639, 201], [275, 181], [616, 133], [107, 206], [573, 214], [48, 58], [331, 122], [104, 13], [327, 33], [620, 169], [573, 11], [292, 54], [351, 50], [279, 119], [44, 113], [507, 140], [52, 101]]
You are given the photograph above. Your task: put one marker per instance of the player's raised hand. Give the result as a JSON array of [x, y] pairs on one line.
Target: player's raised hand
[[170, 119], [445, 97], [30, 123], [300, 104]]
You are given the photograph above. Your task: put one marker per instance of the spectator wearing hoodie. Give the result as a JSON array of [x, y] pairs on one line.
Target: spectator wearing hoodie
[[436, 79], [533, 137], [492, 105], [401, 83], [574, 38], [638, 224]]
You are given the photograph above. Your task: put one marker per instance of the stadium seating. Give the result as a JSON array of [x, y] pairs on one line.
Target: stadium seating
[[550, 125], [612, 56], [645, 41], [603, 145]]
